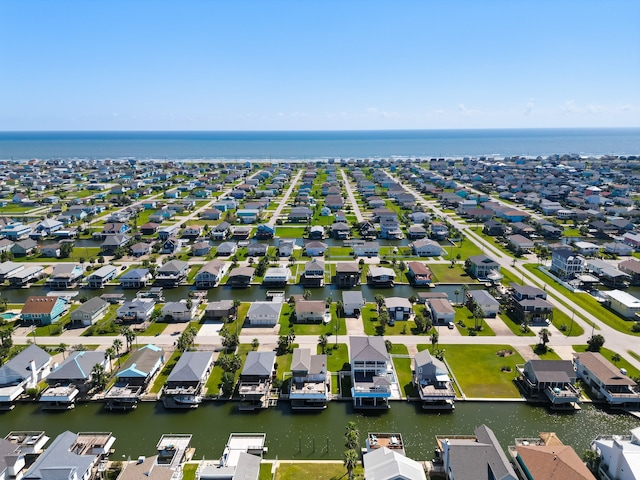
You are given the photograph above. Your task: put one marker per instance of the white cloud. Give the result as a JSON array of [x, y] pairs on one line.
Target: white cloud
[[528, 108]]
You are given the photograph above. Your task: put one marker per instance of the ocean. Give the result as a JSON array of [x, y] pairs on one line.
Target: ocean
[[312, 145]]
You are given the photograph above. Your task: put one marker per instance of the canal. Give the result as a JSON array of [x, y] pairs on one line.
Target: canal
[[316, 435]]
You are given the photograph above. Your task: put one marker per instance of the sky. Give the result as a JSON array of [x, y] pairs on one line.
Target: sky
[[318, 65]]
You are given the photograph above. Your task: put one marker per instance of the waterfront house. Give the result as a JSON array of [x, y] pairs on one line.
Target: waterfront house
[[631, 267], [381, 276], [72, 456], [442, 312], [181, 311], [65, 275], [485, 301], [530, 304], [416, 232], [310, 380], [136, 278], [479, 456], [286, 247], [371, 372], [276, 276], [136, 311], [431, 381], [257, 249], [426, 248], [149, 228], [347, 275], [255, 380], [115, 228], [300, 214], [43, 310], [386, 463], [313, 274], [219, 310], [192, 232], [226, 249], [399, 308], [550, 381], [100, 277], [172, 273], [186, 381], [112, 242], [352, 302], [133, 377], [22, 248], [211, 274], [339, 231], [390, 228], [483, 268], [606, 382], [72, 379], [366, 249], [140, 249], [200, 249], [618, 455], [265, 231], [418, 274], [211, 214], [48, 226], [310, 311], [264, 314], [26, 276], [89, 312], [315, 248], [241, 276], [15, 231], [566, 264], [22, 372], [10, 268]]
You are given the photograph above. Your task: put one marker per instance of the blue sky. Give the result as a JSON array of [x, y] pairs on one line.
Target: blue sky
[[318, 65]]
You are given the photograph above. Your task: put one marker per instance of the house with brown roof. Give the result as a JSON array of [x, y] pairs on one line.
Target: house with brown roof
[[43, 310], [310, 311]]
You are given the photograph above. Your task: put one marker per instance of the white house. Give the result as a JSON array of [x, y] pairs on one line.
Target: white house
[[352, 302], [622, 302], [264, 314], [426, 248], [276, 276], [618, 455], [441, 311]]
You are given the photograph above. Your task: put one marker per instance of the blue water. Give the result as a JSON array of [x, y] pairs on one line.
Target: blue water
[[318, 144]]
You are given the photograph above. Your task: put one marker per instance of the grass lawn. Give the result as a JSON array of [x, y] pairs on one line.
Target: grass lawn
[[515, 327], [189, 471], [311, 328], [212, 386], [372, 326], [290, 232], [464, 315], [166, 370], [608, 354], [337, 360], [238, 322], [317, 471], [283, 363], [155, 328], [548, 355], [486, 379], [466, 248], [403, 366], [443, 273], [588, 303]]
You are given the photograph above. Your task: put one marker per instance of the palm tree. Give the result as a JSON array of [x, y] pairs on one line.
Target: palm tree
[[110, 353], [62, 348], [255, 343], [434, 340], [306, 294], [117, 345], [323, 340], [350, 462], [456, 293], [544, 336], [128, 335], [352, 436], [98, 376], [379, 301]]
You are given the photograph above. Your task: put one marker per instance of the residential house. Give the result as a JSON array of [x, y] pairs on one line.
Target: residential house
[[149, 228], [520, 243], [200, 249], [112, 242], [352, 302], [372, 373], [136, 311], [192, 232], [426, 248], [618, 455], [22, 372], [136, 278], [550, 381], [366, 249], [220, 231], [390, 228], [315, 248], [622, 303], [133, 377], [310, 380], [478, 457], [115, 228], [381, 276], [442, 312], [339, 231], [241, 276], [255, 380], [10, 268], [26, 276], [310, 311], [182, 311], [418, 274], [172, 273], [416, 232], [43, 310], [300, 214], [257, 249], [286, 247], [485, 301], [140, 249], [72, 379], [15, 231], [431, 381], [607, 273], [399, 308], [211, 274], [89, 312], [529, 304], [72, 456], [47, 226], [171, 245], [385, 463], [606, 381], [219, 310], [347, 274], [100, 277], [265, 231], [264, 314], [226, 249], [276, 276], [313, 274], [617, 248], [186, 381], [483, 268], [631, 267], [566, 264], [22, 248], [211, 214]]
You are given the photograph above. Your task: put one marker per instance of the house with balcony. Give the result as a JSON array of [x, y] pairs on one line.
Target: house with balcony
[[136, 278], [254, 384], [419, 274], [184, 386], [631, 267], [366, 249], [89, 312], [530, 304], [431, 381], [310, 311], [485, 301], [315, 248], [100, 277], [220, 231], [276, 276], [65, 275], [381, 276], [43, 310], [399, 308], [606, 382], [372, 374], [550, 381], [264, 314], [340, 231], [300, 214], [226, 249], [22, 372], [26, 276], [566, 264], [211, 274], [426, 248], [310, 380], [618, 455], [182, 311], [172, 273], [390, 228], [241, 277], [313, 274], [136, 311], [483, 268], [347, 275]]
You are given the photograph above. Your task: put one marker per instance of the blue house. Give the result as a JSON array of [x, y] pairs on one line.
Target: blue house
[[43, 310]]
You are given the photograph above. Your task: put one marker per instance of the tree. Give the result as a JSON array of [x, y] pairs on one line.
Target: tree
[[229, 340], [352, 436], [595, 343], [255, 343], [379, 301], [420, 322], [478, 314], [98, 376], [117, 345], [544, 336], [456, 293], [227, 383], [306, 294], [323, 340], [283, 344], [129, 336], [65, 249], [110, 352], [383, 318], [350, 462], [434, 340], [615, 358], [62, 348]]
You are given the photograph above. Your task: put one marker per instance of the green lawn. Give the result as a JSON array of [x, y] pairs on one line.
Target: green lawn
[[189, 471], [464, 315], [317, 471], [212, 386], [608, 354], [166, 370], [443, 273], [155, 328], [290, 232], [478, 370], [548, 355], [466, 248], [515, 327], [403, 368]]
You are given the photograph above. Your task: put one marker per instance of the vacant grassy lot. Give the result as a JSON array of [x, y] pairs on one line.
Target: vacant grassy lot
[[464, 315], [403, 368], [166, 370], [479, 369], [316, 471], [443, 273]]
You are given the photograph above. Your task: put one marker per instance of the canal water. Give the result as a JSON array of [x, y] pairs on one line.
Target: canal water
[[316, 435]]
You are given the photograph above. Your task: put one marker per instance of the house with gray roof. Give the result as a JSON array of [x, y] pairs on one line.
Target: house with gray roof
[[65, 275], [352, 302], [384, 463], [483, 299], [184, 385], [371, 372], [254, 384], [264, 314], [22, 372], [479, 456], [100, 277], [431, 381], [311, 381], [211, 273], [550, 381], [220, 309], [172, 273], [89, 312], [136, 278]]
